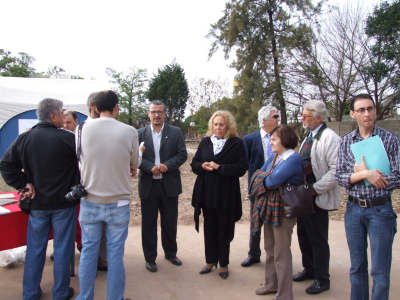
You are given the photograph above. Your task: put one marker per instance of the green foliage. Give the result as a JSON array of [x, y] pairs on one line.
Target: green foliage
[[384, 26], [170, 86], [76, 77], [264, 34], [130, 89], [19, 66]]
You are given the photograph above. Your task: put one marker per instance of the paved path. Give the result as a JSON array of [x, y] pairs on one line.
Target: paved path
[[184, 282]]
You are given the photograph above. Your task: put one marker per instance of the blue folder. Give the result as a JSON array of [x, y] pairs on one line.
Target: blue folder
[[375, 155]]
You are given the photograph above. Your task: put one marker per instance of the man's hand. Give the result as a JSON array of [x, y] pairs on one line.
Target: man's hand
[[214, 165], [29, 192], [155, 170], [207, 166], [375, 177], [162, 168], [133, 171], [362, 167]]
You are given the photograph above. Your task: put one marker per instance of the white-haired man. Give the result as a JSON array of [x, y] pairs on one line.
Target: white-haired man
[[258, 149], [319, 153]]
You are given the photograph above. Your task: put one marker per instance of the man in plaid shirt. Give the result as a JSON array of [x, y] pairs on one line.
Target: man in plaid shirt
[[369, 208]]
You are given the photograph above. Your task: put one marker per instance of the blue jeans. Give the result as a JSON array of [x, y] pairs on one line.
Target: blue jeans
[[379, 222], [40, 223], [91, 217]]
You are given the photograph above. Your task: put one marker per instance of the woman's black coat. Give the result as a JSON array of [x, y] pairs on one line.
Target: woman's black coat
[[219, 189]]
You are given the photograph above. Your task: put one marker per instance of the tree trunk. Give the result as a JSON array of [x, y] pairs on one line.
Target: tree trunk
[[170, 116], [279, 93]]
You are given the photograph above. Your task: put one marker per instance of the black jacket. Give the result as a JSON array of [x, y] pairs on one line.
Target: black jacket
[[172, 153], [48, 159], [219, 189]]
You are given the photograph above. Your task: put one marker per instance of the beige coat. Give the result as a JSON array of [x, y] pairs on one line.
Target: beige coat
[[323, 161]]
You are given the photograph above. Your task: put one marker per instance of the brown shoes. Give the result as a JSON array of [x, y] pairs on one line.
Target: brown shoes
[[263, 291]]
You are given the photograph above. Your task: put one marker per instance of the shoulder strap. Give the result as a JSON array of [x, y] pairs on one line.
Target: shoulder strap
[[78, 149], [273, 163]]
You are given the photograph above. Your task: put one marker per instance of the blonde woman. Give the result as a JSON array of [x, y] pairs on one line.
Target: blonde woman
[[218, 163]]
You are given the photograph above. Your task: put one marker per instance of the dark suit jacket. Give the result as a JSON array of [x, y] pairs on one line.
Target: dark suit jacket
[[254, 152], [172, 153]]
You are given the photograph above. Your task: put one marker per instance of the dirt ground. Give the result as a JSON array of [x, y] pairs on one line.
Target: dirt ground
[[185, 216]]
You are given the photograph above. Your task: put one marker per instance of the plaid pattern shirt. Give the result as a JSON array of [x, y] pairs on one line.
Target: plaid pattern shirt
[[346, 161]]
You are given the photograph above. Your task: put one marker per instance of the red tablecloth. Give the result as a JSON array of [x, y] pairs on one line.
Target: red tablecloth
[[14, 227]]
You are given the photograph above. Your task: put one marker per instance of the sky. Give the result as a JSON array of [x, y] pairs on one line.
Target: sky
[[85, 37]]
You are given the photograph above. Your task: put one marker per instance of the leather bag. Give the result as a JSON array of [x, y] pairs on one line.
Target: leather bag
[[297, 200]]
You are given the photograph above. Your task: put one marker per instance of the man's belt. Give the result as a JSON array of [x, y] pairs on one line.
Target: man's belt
[[159, 180], [370, 202]]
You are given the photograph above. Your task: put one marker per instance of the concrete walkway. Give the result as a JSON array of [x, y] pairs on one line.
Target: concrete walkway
[[184, 282]]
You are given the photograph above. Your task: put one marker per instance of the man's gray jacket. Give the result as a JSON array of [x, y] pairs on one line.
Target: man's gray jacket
[[323, 161], [172, 153]]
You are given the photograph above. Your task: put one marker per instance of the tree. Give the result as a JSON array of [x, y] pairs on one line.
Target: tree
[[384, 27], [264, 34], [170, 86], [56, 71], [130, 89], [16, 66], [327, 70], [204, 92]]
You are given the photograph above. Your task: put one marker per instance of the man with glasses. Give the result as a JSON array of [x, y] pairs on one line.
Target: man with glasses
[[319, 154], [369, 209], [160, 184], [258, 149]]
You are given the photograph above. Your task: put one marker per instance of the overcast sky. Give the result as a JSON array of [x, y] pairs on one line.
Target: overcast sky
[[85, 37]]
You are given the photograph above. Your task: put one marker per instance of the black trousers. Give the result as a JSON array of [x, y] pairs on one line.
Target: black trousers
[[312, 231], [158, 200], [216, 238], [254, 244]]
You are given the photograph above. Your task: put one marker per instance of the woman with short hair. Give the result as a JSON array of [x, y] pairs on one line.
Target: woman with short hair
[[285, 165], [218, 163]]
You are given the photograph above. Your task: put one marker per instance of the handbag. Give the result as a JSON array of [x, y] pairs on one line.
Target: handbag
[[297, 200]]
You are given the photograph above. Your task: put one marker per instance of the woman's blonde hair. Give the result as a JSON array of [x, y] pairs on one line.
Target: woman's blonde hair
[[229, 122]]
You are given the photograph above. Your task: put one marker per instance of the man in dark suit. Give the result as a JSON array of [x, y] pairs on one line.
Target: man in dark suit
[[160, 184], [258, 149]]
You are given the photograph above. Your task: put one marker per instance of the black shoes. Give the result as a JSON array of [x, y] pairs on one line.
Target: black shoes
[[249, 261], [151, 267], [174, 260], [70, 293], [317, 288], [303, 275], [224, 275], [206, 270]]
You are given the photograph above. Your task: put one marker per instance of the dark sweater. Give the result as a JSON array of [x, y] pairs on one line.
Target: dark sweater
[[48, 159], [219, 189]]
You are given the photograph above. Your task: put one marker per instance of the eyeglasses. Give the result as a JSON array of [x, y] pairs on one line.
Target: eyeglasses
[[275, 116], [363, 109], [158, 112], [306, 116]]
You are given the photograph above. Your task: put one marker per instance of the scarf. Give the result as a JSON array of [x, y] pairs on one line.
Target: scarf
[[218, 144]]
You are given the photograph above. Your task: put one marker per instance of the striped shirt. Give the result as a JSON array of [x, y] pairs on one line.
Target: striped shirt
[[346, 161]]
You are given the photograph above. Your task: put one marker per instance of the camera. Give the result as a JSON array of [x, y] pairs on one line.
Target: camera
[[77, 192]]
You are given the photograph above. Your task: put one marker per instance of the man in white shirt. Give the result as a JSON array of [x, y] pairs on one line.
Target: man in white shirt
[[258, 149]]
